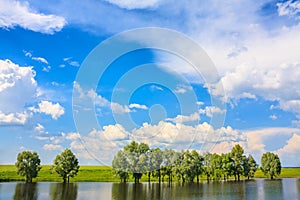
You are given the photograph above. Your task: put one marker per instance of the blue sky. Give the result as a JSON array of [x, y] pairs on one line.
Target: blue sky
[[149, 95]]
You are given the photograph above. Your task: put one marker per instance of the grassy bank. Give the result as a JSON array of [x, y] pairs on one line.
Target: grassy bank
[[103, 174]]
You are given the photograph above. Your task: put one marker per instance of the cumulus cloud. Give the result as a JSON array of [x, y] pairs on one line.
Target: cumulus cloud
[[13, 118], [185, 118], [73, 136], [14, 13], [49, 108], [103, 144], [52, 147], [17, 88], [209, 111], [290, 151]]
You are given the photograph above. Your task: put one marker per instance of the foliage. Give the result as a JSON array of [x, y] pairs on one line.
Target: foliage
[[237, 159], [66, 165], [28, 165], [270, 164], [250, 167]]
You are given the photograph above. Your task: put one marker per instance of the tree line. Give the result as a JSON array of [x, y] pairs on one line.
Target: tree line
[[66, 165], [187, 166]]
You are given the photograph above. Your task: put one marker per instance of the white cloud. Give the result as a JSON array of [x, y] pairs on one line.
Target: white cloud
[[14, 13], [49, 108], [209, 111], [289, 8], [17, 88], [71, 62], [73, 136], [135, 4], [40, 59], [52, 147], [13, 118], [138, 106], [39, 128], [181, 89], [155, 87], [273, 117], [104, 144], [290, 152], [185, 118], [74, 63], [102, 102]]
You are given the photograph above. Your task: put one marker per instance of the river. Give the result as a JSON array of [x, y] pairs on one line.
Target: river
[[287, 188]]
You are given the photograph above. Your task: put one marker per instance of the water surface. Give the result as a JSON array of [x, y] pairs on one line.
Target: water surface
[[256, 189]]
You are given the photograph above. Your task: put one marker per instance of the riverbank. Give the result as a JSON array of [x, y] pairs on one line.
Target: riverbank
[[104, 174]]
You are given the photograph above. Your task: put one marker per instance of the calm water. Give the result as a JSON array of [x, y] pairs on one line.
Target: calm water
[[257, 189]]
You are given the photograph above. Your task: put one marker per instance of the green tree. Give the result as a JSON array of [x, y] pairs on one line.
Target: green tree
[[250, 166], [216, 165], [168, 163], [270, 164], [207, 166], [66, 165], [28, 165], [198, 164], [227, 165], [237, 159], [120, 165], [138, 159], [179, 168], [155, 160]]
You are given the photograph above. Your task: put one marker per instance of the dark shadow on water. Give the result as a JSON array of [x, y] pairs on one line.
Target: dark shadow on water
[[62, 191], [26, 191]]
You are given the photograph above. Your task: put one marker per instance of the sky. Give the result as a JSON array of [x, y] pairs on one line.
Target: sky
[[94, 75]]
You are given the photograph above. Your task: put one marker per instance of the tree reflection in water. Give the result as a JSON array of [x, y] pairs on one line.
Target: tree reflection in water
[[60, 191], [26, 191]]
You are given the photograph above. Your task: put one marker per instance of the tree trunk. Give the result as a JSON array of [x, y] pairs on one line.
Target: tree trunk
[[197, 178], [272, 177], [238, 177], [159, 176], [68, 179], [149, 174]]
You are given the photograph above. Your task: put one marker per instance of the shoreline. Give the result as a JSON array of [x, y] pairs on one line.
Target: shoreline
[[8, 173]]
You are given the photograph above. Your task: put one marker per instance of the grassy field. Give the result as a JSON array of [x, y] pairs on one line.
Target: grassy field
[[103, 174]]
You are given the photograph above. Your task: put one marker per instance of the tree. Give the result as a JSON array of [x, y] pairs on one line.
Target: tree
[[227, 165], [28, 165], [66, 165], [216, 164], [237, 158], [138, 159], [207, 166], [155, 160], [168, 163], [198, 164], [250, 167], [120, 166], [270, 164]]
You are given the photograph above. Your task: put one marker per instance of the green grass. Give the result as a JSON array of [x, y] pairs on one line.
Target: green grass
[[104, 174]]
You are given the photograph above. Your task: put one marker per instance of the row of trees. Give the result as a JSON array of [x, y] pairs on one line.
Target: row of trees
[[66, 165], [138, 159]]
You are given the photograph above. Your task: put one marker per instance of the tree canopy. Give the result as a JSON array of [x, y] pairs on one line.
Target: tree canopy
[[270, 164], [66, 165], [28, 165], [138, 159]]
